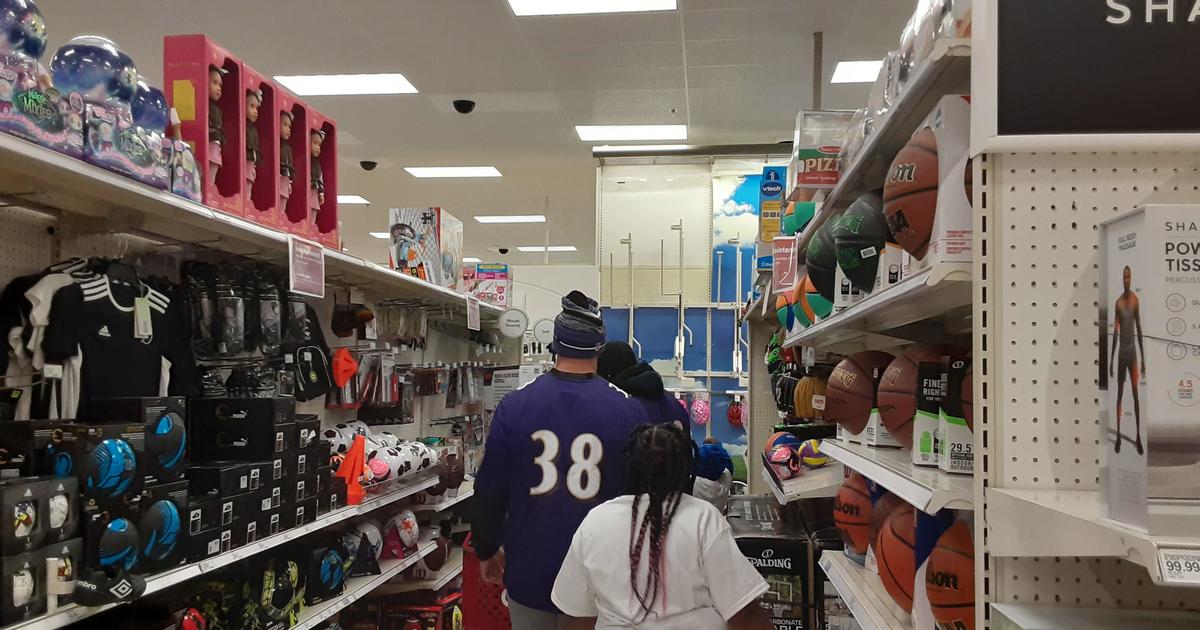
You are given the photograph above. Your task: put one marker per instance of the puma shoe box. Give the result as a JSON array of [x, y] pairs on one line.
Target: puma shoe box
[[162, 455], [243, 429], [776, 541]]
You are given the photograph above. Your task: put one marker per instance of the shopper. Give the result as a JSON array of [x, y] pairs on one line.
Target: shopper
[[621, 367], [656, 558], [553, 453], [714, 474]]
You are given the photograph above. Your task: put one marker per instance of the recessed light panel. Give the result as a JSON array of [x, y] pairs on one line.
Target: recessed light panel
[[624, 133], [353, 200], [512, 218], [576, 7], [453, 171], [533, 249], [856, 71], [346, 84]]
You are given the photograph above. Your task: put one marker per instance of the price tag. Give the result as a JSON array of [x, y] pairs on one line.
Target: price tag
[[818, 402], [143, 327], [1179, 566]]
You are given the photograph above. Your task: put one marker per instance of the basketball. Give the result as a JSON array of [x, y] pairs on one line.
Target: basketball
[[898, 391], [883, 508], [968, 407], [796, 299], [850, 395], [859, 236], [910, 193], [812, 304], [821, 261], [851, 513], [950, 578], [783, 310], [897, 556]]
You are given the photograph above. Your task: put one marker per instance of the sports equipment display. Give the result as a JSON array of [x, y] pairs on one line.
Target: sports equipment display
[[781, 437], [897, 395], [783, 310], [381, 469], [23, 587], [277, 594], [24, 518], [910, 193], [167, 441], [850, 395], [374, 536], [812, 306], [339, 439], [387, 438], [109, 468], [784, 461], [118, 546], [406, 525], [880, 511], [160, 528], [950, 578], [96, 68], [859, 236], [59, 506], [897, 556], [851, 513], [821, 261], [810, 454]]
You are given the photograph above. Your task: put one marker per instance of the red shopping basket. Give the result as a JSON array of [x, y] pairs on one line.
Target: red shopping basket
[[482, 608]]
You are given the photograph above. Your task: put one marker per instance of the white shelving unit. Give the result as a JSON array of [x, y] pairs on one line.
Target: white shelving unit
[[73, 613], [466, 491], [929, 305], [822, 482], [357, 588], [863, 593], [452, 569], [1022, 617], [927, 489]]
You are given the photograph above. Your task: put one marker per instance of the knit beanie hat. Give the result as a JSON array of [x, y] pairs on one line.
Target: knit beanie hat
[[578, 329]]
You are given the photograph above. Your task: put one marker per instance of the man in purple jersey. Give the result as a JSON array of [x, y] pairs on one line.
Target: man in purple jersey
[[553, 453]]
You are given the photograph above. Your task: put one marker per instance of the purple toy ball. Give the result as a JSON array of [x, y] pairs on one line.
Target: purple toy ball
[[96, 68], [150, 109], [22, 28]]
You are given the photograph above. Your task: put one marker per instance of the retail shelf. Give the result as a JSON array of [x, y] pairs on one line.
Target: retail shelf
[[926, 306], [927, 489], [92, 199], [453, 568], [161, 581], [1043, 523], [357, 588], [822, 482], [466, 491], [1026, 617], [863, 593], [946, 71]]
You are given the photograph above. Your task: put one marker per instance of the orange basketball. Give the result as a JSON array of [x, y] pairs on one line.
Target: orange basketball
[[950, 578], [851, 391], [897, 556], [898, 391], [880, 512], [910, 193], [851, 513]]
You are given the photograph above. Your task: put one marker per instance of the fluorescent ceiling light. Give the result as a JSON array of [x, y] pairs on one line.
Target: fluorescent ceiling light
[[346, 84], [453, 171], [540, 248], [576, 7], [856, 71], [471, 259], [353, 200], [613, 148], [618, 133], [380, 234], [512, 218]]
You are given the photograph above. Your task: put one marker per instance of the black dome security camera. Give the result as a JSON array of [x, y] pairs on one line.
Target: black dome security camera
[[368, 165], [502, 250], [464, 106]]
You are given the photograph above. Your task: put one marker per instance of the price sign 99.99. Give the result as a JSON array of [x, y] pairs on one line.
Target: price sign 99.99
[[1179, 566]]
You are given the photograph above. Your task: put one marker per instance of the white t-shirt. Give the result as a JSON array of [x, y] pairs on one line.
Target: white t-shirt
[[705, 579]]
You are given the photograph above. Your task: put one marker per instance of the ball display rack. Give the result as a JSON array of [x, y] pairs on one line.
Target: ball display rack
[[466, 491], [452, 569], [927, 489], [813, 484], [357, 588]]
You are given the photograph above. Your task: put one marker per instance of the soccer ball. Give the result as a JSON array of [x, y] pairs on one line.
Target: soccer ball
[[387, 438], [60, 510], [373, 534], [24, 519], [422, 455], [358, 427], [22, 587], [406, 526], [339, 439]]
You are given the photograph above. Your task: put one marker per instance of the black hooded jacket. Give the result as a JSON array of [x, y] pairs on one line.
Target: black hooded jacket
[[642, 382]]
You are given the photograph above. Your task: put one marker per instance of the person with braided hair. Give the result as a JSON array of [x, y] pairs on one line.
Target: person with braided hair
[[656, 558]]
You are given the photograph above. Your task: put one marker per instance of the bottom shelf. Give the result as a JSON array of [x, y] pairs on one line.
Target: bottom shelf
[[863, 593], [1021, 617], [357, 588]]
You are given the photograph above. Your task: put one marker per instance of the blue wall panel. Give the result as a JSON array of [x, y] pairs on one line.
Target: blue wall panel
[[728, 266], [616, 323], [696, 353], [655, 330]]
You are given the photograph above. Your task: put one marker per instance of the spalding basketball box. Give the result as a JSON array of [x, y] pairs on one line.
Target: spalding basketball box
[[1149, 310], [776, 541]]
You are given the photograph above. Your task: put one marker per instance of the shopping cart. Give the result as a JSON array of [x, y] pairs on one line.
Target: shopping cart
[[483, 606]]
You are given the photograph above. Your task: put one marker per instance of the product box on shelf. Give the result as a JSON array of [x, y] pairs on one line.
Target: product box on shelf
[[32, 109], [97, 444], [1149, 367], [297, 488], [242, 429], [333, 495], [24, 502], [309, 426], [208, 543], [161, 510], [415, 246], [223, 478], [955, 440], [260, 197], [24, 582], [60, 575], [444, 614], [187, 180], [62, 506], [300, 513], [451, 240], [210, 511], [204, 83], [770, 202], [931, 391], [164, 455], [29, 447], [490, 282], [323, 180], [816, 146], [876, 434], [846, 294], [891, 263], [779, 547], [112, 141], [294, 164]]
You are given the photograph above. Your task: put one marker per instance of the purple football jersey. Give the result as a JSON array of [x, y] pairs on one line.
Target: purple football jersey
[[554, 452]]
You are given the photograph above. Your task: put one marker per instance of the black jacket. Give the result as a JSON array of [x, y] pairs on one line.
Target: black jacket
[[642, 382]]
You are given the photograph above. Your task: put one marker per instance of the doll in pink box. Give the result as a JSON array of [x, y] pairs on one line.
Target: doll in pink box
[[316, 190], [216, 127], [253, 152], [287, 165]]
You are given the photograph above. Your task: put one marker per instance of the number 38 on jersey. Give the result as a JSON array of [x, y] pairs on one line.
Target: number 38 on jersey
[[583, 474]]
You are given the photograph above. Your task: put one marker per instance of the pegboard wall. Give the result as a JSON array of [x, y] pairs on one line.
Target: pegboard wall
[[650, 282], [26, 245], [1036, 344], [764, 415]]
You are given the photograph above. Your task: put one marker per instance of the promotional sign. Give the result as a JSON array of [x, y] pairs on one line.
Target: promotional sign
[[306, 267], [770, 202], [513, 323], [1057, 62], [490, 282], [784, 269], [472, 313]]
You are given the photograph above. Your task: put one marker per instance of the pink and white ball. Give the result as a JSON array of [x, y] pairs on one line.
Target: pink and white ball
[[785, 461]]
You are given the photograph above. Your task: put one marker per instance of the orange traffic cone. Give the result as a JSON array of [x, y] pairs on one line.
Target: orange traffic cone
[[352, 469]]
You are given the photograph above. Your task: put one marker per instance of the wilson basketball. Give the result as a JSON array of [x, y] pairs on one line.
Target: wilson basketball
[[880, 512], [898, 391], [852, 513], [859, 236], [950, 578], [968, 407], [821, 261], [850, 395], [897, 556], [910, 193]]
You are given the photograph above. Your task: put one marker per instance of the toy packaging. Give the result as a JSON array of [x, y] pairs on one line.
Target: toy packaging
[[816, 147], [451, 240], [415, 247], [770, 202], [950, 240], [113, 141], [1149, 368], [490, 282], [185, 173]]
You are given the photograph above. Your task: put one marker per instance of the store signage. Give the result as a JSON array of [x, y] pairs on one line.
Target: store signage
[[543, 331], [472, 313], [783, 275], [306, 267], [1179, 566], [513, 323], [770, 201], [1098, 67]]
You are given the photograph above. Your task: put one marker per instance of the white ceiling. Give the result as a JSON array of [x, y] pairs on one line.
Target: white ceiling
[[748, 70]]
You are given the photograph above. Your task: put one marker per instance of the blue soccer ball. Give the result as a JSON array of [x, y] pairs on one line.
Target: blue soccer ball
[[119, 544], [333, 571], [96, 68], [159, 528], [167, 438], [22, 28], [109, 468], [150, 109]]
